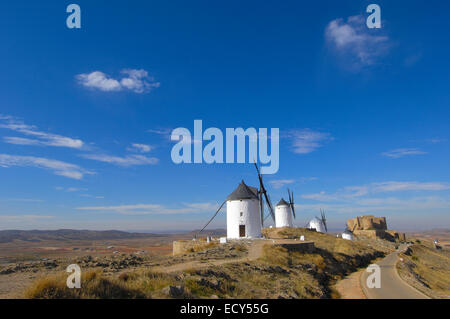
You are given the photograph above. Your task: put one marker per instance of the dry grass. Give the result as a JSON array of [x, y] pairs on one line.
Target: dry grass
[[94, 285], [427, 269], [279, 273], [203, 247]]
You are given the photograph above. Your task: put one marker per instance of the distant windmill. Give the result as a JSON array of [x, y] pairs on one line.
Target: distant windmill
[[285, 212], [347, 234], [319, 224], [323, 219]]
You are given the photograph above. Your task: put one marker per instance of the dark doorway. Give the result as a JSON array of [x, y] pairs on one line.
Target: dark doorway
[[241, 230]]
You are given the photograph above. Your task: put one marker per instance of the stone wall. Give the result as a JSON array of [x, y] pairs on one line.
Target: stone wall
[[180, 247], [373, 227], [369, 222]]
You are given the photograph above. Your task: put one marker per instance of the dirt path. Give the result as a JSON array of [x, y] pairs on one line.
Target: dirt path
[[254, 252], [350, 288]]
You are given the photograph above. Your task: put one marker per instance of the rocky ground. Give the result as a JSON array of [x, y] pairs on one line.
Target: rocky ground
[[247, 269], [427, 269], [16, 277]]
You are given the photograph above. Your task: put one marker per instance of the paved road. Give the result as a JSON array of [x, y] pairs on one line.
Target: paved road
[[392, 286]]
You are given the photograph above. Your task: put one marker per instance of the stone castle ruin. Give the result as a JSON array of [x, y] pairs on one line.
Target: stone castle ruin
[[373, 227]]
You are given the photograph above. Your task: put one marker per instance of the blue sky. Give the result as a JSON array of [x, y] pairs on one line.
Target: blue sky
[[86, 115]]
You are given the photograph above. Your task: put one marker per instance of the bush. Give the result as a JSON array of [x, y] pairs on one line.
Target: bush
[[93, 285]]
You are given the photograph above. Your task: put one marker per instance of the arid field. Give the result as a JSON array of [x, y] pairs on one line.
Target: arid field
[[145, 268]]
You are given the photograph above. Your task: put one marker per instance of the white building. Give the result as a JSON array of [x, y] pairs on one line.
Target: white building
[[283, 216], [243, 213], [317, 224], [348, 235]]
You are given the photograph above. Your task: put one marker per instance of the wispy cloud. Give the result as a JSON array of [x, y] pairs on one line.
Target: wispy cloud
[[437, 140], [400, 152], [161, 131], [305, 141], [39, 138], [389, 205], [24, 200], [129, 160], [352, 192], [71, 189], [279, 183], [57, 167], [137, 81], [23, 218], [408, 186], [352, 39], [153, 209], [141, 148], [92, 196]]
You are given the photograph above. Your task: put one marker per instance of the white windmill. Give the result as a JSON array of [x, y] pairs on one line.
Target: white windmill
[[319, 224], [245, 210], [284, 212], [347, 234]]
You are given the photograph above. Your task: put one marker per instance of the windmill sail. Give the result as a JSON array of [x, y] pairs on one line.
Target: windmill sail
[[291, 202], [263, 191], [261, 207], [323, 219]]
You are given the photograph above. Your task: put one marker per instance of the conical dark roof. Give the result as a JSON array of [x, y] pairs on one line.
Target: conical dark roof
[[282, 202], [243, 192]]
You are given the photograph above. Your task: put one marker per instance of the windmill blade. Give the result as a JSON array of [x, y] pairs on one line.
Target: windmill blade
[[262, 189], [215, 214], [261, 207], [324, 220], [291, 202], [269, 204]]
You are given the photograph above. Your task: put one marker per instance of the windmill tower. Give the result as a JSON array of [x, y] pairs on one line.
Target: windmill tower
[[284, 212], [245, 211]]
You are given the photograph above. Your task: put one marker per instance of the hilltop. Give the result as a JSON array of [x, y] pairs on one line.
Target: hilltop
[[7, 236]]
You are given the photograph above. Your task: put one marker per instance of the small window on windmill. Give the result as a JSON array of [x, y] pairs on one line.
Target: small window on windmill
[[241, 214]]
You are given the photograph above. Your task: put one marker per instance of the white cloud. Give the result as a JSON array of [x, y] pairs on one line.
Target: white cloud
[[70, 189], [98, 80], [400, 152], [154, 209], [437, 140], [408, 186], [58, 167], [129, 160], [141, 148], [161, 131], [352, 192], [279, 183], [137, 81], [39, 138], [305, 141], [92, 196], [389, 205], [353, 39]]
